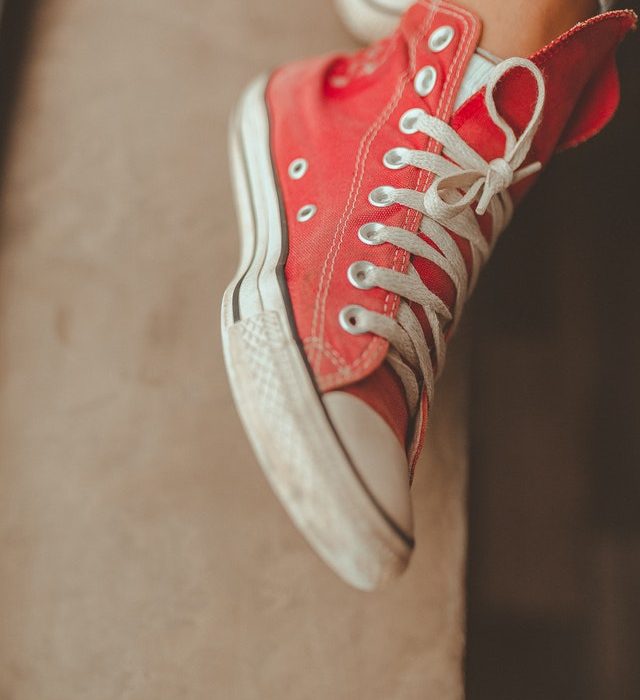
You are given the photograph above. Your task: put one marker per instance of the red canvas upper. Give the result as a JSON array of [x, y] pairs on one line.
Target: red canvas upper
[[341, 114]]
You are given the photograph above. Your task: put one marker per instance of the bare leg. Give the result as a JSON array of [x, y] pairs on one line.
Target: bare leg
[[521, 27]]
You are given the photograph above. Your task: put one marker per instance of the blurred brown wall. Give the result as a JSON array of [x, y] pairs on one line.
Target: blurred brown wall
[[554, 577]]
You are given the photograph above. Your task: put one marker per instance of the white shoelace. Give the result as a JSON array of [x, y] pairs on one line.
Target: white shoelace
[[462, 179]]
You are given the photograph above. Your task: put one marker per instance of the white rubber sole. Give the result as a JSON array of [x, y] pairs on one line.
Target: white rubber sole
[[275, 395], [370, 20]]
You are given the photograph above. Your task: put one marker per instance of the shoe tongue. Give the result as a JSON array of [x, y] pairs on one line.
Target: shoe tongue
[[476, 75]]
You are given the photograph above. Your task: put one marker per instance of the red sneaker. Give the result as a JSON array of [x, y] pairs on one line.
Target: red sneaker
[[371, 188]]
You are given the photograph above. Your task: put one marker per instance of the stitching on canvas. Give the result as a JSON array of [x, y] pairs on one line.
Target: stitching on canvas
[[319, 311], [326, 351], [361, 158]]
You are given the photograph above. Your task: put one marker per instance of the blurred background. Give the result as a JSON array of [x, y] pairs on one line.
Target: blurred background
[[555, 431], [141, 552]]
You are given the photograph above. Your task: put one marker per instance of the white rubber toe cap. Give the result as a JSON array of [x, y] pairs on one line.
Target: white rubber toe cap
[[376, 454]]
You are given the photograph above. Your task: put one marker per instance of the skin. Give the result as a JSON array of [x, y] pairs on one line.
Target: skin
[[521, 27]]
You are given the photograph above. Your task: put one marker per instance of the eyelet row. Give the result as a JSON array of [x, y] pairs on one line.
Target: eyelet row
[[427, 77], [357, 274], [297, 170], [425, 81], [396, 158]]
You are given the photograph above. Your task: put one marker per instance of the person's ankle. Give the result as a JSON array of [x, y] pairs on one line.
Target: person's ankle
[[521, 27]]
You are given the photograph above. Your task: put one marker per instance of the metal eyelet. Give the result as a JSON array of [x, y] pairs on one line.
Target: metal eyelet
[[425, 80], [358, 272], [382, 196], [298, 168], [396, 158], [441, 38], [367, 233], [350, 318], [306, 212], [409, 120]]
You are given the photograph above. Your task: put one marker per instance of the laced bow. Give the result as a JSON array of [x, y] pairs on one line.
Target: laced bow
[[462, 178], [480, 179]]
